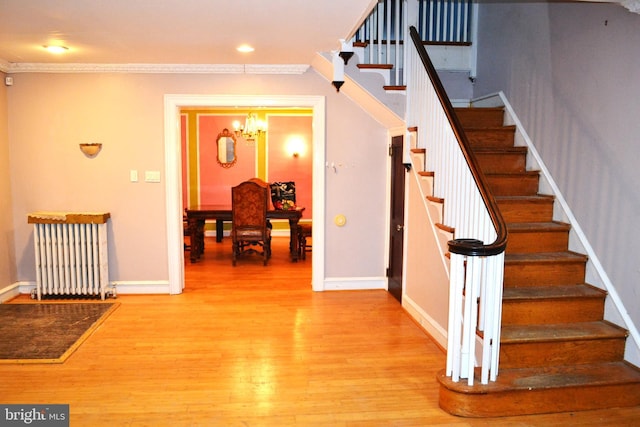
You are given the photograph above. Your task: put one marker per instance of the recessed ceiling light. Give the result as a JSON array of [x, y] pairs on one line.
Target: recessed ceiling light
[[245, 48], [56, 49]]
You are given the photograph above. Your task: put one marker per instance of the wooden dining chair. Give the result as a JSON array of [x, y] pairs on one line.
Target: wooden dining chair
[[186, 231], [249, 230], [305, 232]]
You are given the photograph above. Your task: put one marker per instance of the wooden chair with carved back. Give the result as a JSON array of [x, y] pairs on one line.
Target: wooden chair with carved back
[[249, 230]]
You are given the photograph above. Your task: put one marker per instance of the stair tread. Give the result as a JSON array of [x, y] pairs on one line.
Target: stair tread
[[538, 226], [500, 150], [512, 174], [567, 256], [394, 87], [507, 128], [549, 378], [533, 198], [375, 66], [560, 332], [552, 292], [479, 109]]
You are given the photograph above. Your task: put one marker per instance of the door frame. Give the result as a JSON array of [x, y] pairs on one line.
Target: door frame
[[173, 172]]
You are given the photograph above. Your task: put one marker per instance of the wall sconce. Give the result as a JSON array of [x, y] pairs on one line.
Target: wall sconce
[[91, 149], [296, 146]]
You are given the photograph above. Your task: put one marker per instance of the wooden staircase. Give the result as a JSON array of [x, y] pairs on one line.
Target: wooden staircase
[[557, 353]]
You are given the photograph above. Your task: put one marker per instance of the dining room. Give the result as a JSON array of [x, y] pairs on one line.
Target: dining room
[[222, 147]]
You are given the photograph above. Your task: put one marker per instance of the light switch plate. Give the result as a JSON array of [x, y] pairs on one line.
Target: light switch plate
[[152, 176]]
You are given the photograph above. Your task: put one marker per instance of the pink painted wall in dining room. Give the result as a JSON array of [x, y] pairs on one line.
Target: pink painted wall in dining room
[[282, 165], [216, 181]]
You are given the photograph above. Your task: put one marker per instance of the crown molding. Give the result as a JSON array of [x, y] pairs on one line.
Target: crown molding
[[41, 67], [631, 5]]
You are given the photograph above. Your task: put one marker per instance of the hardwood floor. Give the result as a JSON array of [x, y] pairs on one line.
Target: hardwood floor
[[254, 346]]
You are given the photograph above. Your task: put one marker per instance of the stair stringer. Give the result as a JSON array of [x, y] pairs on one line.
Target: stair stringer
[[615, 311], [426, 296]]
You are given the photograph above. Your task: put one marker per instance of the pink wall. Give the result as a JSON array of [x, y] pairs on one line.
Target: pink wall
[[282, 166], [215, 180]]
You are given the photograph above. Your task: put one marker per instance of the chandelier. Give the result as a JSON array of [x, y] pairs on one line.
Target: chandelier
[[252, 128]]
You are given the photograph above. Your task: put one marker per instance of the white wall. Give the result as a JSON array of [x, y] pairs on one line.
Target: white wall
[[7, 253], [571, 70], [426, 273], [50, 114]]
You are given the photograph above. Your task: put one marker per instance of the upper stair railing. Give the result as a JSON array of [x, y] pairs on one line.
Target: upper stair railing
[[383, 33], [477, 252]]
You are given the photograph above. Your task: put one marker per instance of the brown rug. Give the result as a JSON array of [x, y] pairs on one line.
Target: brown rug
[[47, 332]]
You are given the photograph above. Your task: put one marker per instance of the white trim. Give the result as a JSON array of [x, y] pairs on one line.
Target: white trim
[[36, 67], [473, 53], [15, 289], [141, 287], [631, 5], [173, 180], [353, 283], [632, 356], [4, 66], [435, 330]]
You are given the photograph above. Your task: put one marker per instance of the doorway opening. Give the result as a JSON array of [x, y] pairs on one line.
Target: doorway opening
[[173, 172]]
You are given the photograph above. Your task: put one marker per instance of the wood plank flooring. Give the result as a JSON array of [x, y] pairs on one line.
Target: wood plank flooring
[[254, 346]]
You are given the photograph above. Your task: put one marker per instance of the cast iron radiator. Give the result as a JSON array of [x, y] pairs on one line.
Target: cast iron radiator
[[71, 254]]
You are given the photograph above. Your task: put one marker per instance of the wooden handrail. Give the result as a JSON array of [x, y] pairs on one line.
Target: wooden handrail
[[470, 247]]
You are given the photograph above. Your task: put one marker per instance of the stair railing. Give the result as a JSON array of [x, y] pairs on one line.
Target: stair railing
[[477, 252], [383, 32]]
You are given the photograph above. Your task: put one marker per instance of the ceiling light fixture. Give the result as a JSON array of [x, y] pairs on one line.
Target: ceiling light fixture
[[252, 129], [245, 48], [57, 49]]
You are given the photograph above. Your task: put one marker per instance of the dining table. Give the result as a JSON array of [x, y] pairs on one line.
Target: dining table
[[197, 216]]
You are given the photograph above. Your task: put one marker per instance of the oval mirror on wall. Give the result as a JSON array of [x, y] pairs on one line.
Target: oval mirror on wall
[[226, 149]]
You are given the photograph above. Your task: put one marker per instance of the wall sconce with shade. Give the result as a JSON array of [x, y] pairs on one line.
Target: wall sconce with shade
[[296, 146], [91, 149], [253, 127]]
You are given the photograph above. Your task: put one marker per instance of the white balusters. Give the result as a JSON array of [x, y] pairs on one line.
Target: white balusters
[[475, 281]]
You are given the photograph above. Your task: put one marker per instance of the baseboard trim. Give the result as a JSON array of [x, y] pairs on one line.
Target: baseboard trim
[[148, 287], [145, 287], [141, 287], [355, 283], [428, 323], [12, 291]]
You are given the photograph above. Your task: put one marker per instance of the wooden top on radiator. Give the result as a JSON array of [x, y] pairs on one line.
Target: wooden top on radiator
[[68, 217]]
